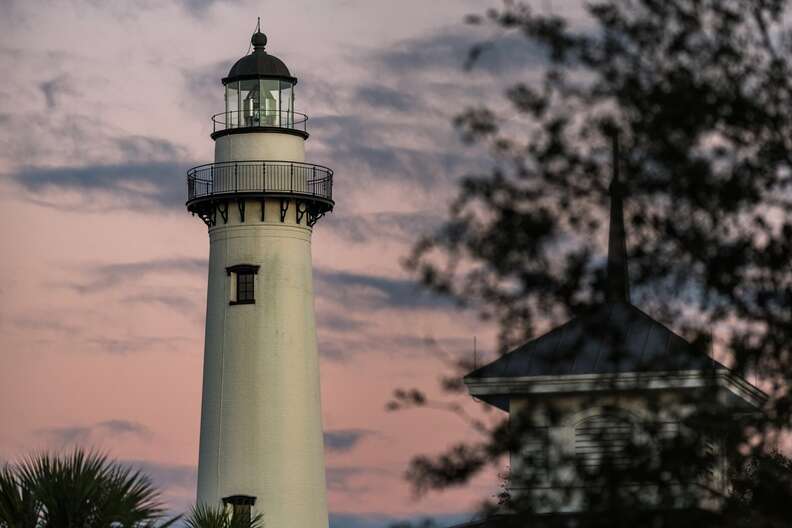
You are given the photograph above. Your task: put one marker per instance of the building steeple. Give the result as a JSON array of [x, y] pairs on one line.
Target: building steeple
[[618, 281]]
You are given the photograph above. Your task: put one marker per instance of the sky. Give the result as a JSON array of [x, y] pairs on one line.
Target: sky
[[103, 107]]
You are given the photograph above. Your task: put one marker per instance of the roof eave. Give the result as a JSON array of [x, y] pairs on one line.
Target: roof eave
[[735, 385], [251, 76]]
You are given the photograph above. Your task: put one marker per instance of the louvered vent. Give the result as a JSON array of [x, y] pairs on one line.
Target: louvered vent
[[602, 438]]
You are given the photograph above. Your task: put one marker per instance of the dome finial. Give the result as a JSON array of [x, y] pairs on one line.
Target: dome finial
[[259, 39]]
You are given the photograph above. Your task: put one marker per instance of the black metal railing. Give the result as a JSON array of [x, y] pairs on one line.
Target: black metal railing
[[259, 118], [263, 177]]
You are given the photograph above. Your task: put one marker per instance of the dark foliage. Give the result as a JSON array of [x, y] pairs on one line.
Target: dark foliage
[[79, 490], [203, 516], [700, 93], [762, 491]]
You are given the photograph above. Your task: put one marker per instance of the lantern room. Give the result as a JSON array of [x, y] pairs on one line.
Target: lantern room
[[259, 91]]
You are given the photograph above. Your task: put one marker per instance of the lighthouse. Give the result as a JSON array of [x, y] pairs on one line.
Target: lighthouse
[[261, 443]]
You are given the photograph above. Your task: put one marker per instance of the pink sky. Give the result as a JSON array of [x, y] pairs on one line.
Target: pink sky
[[102, 288]]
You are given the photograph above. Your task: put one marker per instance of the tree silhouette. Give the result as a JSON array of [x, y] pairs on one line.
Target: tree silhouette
[[699, 92]]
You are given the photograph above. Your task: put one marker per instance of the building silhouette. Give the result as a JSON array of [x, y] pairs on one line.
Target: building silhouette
[[609, 392]]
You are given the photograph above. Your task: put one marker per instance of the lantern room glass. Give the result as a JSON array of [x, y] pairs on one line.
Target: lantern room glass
[[286, 104], [260, 102], [232, 105], [249, 103], [270, 100]]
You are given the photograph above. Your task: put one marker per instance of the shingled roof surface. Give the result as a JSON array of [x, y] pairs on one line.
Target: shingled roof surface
[[614, 338]]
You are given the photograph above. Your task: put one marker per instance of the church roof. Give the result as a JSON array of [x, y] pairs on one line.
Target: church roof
[[612, 338]]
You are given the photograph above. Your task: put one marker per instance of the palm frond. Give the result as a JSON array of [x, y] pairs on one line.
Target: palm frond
[[18, 505], [205, 516], [88, 490]]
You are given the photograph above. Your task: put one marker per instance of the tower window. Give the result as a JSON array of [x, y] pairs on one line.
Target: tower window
[[245, 287], [240, 508], [243, 283]]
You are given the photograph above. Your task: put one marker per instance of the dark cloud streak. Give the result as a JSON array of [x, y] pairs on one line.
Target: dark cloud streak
[[108, 276], [376, 292], [343, 440], [60, 437], [345, 479], [448, 49], [123, 346], [364, 228], [147, 184], [178, 303], [167, 476], [381, 520], [53, 89], [383, 97], [199, 8]]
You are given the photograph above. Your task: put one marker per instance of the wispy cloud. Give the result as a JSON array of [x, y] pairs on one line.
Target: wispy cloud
[[352, 479], [167, 476], [339, 322], [447, 49], [386, 98], [60, 437], [362, 145], [133, 184], [200, 7], [53, 89], [44, 323], [132, 344], [203, 82], [400, 227], [176, 481], [343, 440], [344, 348], [375, 292], [104, 277], [374, 520], [179, 303]]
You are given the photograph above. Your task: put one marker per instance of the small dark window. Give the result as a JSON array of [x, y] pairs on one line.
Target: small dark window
[[245, 280], [241, 505], [245, 287]]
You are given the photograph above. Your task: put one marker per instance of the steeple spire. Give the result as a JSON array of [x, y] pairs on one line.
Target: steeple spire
[[618, 281]]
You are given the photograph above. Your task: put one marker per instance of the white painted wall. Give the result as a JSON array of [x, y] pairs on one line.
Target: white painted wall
[[261, 422], [259, 146]]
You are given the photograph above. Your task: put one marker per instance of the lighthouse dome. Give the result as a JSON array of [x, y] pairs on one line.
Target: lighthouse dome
[[259, 64]]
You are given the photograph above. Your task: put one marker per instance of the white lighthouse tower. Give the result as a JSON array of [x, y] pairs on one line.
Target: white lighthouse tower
[[261, 424]]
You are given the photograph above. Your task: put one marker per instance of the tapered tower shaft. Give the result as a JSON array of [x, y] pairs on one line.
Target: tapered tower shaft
[[261, 425]]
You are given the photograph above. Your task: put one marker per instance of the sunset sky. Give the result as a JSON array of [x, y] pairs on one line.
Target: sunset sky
[[103, 276]]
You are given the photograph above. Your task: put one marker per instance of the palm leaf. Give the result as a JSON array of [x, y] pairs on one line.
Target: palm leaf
[[87, 490], [18, 506], [205, 516]]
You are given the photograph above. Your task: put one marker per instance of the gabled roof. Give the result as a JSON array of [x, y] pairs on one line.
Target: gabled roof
[[613, 338]]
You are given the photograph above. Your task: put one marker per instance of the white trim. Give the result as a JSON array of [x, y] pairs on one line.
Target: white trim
[[575, 383]]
